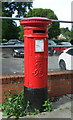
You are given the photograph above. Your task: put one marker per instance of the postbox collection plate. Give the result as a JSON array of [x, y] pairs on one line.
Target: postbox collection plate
[[39, 45]]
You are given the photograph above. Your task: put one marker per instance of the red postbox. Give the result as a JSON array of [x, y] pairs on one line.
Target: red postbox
[[36, 60]]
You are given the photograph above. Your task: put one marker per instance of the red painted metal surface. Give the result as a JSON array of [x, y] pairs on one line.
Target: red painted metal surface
[[36, 51]]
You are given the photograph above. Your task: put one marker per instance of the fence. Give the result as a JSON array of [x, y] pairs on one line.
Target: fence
[[59, 83]]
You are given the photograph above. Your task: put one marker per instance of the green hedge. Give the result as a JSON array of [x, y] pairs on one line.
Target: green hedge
[[61, 40], [3, 40]]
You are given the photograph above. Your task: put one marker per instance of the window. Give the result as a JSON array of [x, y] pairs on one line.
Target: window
[[70, 52]]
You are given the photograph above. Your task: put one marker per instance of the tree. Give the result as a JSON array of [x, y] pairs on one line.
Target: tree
[[9, 27], [9, 30], [21, 33], [8, 8], [54, 29]]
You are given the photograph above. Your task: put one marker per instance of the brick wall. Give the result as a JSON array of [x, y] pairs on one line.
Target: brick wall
[[11, 84], [59, 83]]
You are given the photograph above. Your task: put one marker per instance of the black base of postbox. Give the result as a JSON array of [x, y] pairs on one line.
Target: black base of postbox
[[35, 98]]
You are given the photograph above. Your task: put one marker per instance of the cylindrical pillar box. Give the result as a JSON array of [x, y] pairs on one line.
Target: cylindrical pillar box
[[36, 60]]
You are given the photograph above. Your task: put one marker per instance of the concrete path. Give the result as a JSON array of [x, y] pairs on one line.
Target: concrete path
[[0, 115], [55, 114]]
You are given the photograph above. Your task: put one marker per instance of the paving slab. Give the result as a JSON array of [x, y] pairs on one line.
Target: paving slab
[[55, 114]]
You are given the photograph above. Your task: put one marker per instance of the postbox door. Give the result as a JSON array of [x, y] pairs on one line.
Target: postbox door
[[37, 59]]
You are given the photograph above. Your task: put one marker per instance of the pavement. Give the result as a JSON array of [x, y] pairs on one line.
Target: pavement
[[62, 108]]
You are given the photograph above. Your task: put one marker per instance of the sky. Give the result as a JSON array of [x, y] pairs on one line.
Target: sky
[[62, 8]]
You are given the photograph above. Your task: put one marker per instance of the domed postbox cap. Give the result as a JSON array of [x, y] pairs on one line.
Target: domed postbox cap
[[35, 21]]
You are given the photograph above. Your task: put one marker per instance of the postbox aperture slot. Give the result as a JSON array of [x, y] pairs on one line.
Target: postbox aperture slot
[[39, 45], [38, 31]]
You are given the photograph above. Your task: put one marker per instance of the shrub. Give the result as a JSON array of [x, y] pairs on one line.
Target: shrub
[[16, 106]]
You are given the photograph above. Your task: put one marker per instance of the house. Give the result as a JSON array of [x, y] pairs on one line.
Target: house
[[61, 36]]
